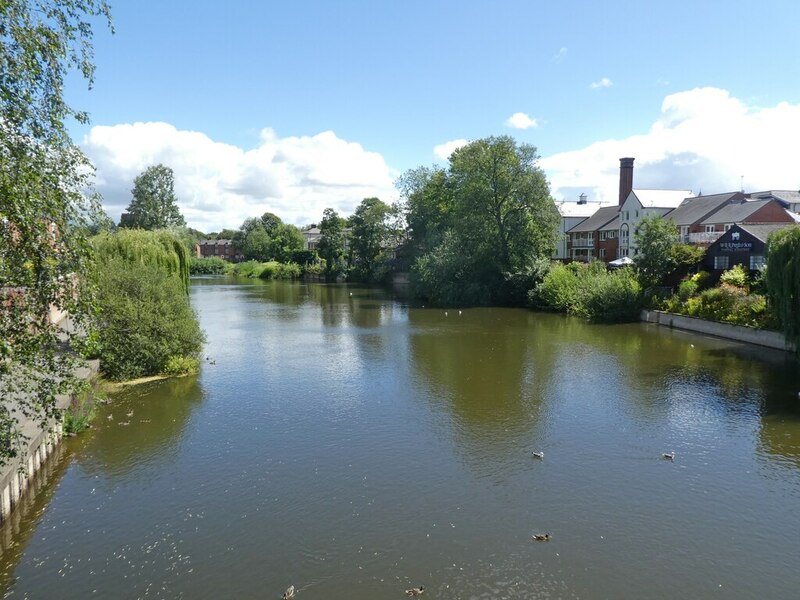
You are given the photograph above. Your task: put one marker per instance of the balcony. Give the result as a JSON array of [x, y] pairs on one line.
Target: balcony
[[582, 243]]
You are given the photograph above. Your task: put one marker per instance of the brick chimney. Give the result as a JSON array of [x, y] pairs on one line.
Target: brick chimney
[[625, 178]]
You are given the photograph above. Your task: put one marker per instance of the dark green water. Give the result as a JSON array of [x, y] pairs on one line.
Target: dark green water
[[355, 447]]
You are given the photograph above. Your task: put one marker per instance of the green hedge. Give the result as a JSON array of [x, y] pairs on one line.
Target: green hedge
[[213, 265], [267, 270]]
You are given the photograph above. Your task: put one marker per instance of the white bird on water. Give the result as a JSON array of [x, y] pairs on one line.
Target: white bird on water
[[539, 455], [668, 456], [289, 593]]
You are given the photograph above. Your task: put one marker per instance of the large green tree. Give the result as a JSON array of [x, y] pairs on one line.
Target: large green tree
[[331, 245], [478, 227], [44, 208], [369, 234], [154, 204]]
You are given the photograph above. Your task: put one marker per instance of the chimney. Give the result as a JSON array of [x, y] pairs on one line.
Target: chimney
[[625, 178], [582, 199]]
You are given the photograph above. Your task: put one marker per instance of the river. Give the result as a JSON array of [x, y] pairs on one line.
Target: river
[[353, 446]]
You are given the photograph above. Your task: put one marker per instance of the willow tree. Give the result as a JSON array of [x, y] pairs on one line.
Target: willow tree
[[43, 204], [783, 279]]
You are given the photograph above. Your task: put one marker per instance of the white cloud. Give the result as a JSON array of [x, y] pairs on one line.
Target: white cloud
[[520, 120], [704, 139], [605, 82], [443, 151], [219, 185], [560, 55]]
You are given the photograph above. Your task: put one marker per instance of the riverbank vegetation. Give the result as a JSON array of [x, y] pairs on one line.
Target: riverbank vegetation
[[144, 324], [253, 269]]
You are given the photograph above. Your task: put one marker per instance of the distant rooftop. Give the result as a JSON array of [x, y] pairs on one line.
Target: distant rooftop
[[735, 213], [694, 210], [763, 230], [602, 217], [575, 209]]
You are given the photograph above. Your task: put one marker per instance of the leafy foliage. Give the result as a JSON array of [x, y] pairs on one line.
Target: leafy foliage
[[144, 319], [44, 209], [656, 238], [783, 279], [736, 277], [154, 204], [331, 246], [212, 265], [268, 238], [267, 270], [369, 234], [478, 228], [591, 292]]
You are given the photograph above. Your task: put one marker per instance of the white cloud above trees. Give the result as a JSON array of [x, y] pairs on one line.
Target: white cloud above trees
[[704, 140], [520, 120], [219, 185], [443, 151]]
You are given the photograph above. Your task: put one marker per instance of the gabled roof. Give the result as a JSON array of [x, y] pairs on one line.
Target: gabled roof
[[573, 209], [661, 198], [694, 210], [611, 225], [783, 196], [602, 216], [762, 230], [735, 213]]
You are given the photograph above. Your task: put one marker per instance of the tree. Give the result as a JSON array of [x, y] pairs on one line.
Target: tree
[[154, 205], [368, 236], [285, 240], [656, 238], [486, 221], [43, 205], [331, 245], [783, 280]]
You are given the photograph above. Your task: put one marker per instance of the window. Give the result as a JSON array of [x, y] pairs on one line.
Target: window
[[711, 228], [590, 236], [728, 226], [637, 214], [721, 262], [756, 262], [602, 252]]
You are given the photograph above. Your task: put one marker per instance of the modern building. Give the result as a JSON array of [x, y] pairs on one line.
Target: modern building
[[572, 213], [692, 212], [584, 241], [745, 211]]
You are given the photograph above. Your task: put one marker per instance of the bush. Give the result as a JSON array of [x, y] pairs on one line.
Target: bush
[[212, 265], [736, 277], [559, 288], [591, 292], [144, 319], [81, 410], [614, 297], [687, 289], [181, 365], [717, 303], [702, 279], [268, 270]]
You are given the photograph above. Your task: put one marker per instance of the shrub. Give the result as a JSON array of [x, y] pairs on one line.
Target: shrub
[[613, 297], [702, 279], [559, 288], [267, 270], [181, 365], [81, 410], [717, 303], [736, 277], [144, 319], [783, 279], [212, 265], [687, 289], [748, 310]]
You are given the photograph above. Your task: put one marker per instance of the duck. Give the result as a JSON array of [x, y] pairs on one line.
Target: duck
[[289, 593], [124, 423], [415, 591], [668, 456], [130, 414], [110, 417], [539, 455], [542, 537]]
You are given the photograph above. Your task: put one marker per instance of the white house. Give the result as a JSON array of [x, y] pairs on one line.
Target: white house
[[572, 214], [642, 203]]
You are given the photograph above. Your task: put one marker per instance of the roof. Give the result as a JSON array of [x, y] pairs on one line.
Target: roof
[[762, 230], [574, 209], [694, 210], [602, 216], [782, 196], [612, 225], [661, 198], [735, 213], [215, 242]]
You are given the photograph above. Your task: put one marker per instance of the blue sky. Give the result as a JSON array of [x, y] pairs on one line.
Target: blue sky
[[393, 80]]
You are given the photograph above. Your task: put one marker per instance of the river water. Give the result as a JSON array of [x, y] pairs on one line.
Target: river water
[[353, 446]]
